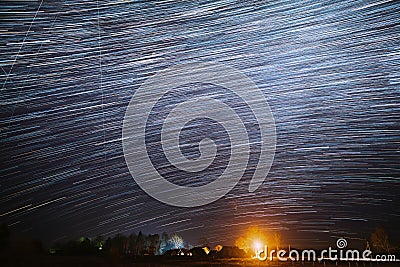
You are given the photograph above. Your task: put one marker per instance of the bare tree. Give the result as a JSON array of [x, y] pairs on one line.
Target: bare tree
[[176, 241]]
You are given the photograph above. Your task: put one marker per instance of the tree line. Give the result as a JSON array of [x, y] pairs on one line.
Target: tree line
[[134, 245]]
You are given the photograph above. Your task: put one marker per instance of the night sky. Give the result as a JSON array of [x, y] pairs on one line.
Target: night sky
[[329, 71]]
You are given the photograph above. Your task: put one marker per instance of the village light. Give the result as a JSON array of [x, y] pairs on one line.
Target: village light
[[257, 246]]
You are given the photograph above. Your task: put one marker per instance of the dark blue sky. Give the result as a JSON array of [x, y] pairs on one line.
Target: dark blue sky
[[330, 73]]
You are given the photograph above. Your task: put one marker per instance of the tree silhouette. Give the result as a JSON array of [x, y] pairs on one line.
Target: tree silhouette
[[140, 244], [380, 240], [132, 243], [163, 243], [277, 240], [154, 243]]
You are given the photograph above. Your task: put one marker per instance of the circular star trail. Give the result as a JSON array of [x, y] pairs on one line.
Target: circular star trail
[[329, 71]]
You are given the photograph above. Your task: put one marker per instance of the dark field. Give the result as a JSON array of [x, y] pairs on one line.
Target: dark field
[[76, 261]]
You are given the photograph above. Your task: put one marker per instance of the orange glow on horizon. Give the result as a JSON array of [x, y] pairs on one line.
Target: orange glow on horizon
[[257, 245], [255, 239]]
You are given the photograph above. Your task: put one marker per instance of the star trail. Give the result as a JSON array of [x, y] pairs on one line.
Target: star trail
[[329, 71]]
